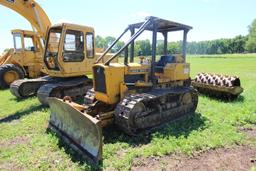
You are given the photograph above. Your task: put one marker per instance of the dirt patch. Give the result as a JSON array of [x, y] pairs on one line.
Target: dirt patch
[[14, 141], [250, 132], [10, 166], [235, 158]]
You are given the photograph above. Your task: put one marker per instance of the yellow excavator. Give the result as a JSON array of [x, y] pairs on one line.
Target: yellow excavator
[[25, 60], [68, 58], [66, 69], [135, 96]]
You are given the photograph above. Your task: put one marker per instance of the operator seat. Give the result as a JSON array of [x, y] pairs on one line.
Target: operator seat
[[159, 66]]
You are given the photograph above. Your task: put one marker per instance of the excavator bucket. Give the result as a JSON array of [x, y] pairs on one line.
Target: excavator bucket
[[217, 85], [79, 130]]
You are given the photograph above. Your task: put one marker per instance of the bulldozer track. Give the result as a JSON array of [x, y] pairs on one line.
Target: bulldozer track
[[160, 106], [73, 87]]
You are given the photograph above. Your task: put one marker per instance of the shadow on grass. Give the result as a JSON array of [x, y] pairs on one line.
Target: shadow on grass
[[16, 99], [224, 99], [180, 127], [19, 114], [213, 57]]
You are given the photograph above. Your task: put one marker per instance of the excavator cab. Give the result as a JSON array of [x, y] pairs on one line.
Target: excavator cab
[[25, 60], [27, 41], [70, 50], [28, 51]]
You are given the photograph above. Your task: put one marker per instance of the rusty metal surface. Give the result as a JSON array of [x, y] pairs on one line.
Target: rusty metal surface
[[81, 129]]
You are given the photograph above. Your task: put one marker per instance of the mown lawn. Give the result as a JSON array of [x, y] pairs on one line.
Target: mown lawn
[[25, 143]]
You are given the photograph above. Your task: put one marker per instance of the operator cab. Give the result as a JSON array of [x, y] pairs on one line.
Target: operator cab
[[26, 41], [70, 50]]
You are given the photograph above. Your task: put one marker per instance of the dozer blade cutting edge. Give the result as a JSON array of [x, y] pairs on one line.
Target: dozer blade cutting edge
[[78, 129]]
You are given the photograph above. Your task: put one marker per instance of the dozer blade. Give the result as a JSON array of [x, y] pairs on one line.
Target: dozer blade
[[80, 130]]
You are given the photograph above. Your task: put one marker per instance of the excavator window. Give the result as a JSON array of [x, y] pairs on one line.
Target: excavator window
[[54, 40], [28, 43], [73, 46], [89, 45], [17, 41], [52, 45]]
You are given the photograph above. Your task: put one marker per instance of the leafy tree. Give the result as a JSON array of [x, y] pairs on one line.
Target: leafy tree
[[251, 43], [160, 47], [104, 43], [100, 42], [218, 46], [142, 47], [174, 47]]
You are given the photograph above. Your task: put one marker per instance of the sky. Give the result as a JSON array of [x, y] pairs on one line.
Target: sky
[[210, 19]]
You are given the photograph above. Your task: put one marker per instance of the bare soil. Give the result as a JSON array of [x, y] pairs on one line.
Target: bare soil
[[250, 132], [234, 158], [14, 141]]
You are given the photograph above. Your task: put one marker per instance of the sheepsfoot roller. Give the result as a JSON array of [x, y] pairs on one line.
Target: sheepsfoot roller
[[78, 129], [217, 85]]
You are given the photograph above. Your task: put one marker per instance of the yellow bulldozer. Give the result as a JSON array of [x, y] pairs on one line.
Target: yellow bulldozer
[[134, 96], [25, 60]]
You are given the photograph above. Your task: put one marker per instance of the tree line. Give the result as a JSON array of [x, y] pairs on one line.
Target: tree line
[[238, 44]]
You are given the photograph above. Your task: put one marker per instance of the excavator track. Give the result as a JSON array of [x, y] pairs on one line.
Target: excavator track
[[73, 87], [28, 87], [146, 111]]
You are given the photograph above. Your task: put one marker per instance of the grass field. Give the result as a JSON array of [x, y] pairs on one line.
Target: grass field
[[26, 145]]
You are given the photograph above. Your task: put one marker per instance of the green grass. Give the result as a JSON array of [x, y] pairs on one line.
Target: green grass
[[25, 143]]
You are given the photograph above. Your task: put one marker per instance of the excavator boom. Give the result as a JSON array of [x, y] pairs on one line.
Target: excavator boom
[[32, 11]]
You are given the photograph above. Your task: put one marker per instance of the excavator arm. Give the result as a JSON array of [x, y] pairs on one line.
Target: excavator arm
[[32, 11]]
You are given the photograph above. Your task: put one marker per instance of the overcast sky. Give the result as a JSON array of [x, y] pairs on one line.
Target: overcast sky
[[210, 19]]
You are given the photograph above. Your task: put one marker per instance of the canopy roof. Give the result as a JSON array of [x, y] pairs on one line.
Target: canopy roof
[[162, 25]]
